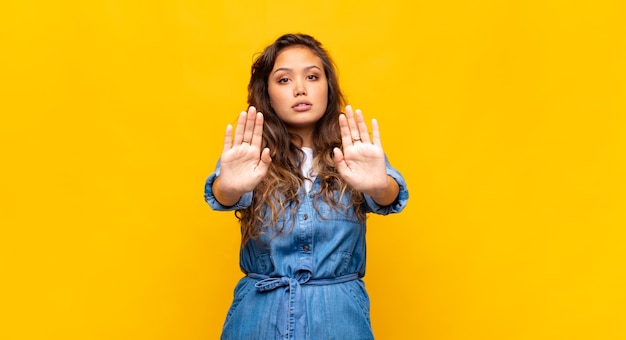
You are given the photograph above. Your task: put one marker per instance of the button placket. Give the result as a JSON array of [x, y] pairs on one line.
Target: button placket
[[306, 230]]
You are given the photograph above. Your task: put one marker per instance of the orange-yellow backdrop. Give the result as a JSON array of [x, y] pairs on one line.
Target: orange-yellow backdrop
[[506, 117]]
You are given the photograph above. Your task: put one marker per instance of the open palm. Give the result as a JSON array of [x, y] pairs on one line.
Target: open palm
[[362, 162], [242, 163]]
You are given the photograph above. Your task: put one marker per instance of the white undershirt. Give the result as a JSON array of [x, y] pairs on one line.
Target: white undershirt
[[306, 167]]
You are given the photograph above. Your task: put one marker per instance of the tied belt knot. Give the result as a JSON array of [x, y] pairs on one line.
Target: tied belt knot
[[267, 283], [291, 318], [272, 283]]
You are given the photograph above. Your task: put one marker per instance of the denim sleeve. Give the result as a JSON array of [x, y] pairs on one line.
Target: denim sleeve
[[244, 201], [397, 205]]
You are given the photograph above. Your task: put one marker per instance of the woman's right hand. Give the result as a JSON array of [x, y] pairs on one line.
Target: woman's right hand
[[242, 163]]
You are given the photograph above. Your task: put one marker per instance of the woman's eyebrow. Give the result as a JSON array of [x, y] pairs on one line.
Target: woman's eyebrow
[[289, 69]]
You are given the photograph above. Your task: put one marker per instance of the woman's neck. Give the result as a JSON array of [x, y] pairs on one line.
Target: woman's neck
[[306, 135]]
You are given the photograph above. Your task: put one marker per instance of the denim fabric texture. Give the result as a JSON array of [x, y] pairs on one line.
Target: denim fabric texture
[[305, 283]]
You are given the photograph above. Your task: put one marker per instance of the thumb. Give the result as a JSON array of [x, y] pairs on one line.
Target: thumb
[[337, 156], [266, 160]]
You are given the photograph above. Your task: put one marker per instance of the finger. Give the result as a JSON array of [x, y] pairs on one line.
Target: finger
[[263, 164], [354, 131], [376, 133], [257, 133], [241, 124], [362, 127], [346, 137], [265, 161], [249, 129], [338, 158], [228, 137]]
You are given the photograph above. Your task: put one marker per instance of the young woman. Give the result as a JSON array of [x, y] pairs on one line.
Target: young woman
[[301, 177]]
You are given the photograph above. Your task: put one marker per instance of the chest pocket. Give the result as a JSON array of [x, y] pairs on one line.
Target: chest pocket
[[264, 264], [341, 261]]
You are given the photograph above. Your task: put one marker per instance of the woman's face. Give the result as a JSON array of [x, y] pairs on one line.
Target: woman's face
[[298, 88]]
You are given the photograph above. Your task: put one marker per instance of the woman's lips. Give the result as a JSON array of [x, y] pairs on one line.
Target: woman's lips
[[300, 107]]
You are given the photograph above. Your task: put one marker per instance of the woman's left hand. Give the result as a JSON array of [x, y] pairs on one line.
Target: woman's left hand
[[362, 162]]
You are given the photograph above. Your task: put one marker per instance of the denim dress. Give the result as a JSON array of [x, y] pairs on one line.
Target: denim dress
[[305, 283]]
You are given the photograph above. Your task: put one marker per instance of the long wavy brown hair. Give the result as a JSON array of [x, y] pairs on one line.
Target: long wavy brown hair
[[277, 194]]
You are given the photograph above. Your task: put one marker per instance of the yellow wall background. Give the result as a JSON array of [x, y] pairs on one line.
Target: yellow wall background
[[506, 117]]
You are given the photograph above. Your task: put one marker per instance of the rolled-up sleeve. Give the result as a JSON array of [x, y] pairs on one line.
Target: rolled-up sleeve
[[398, 204], [209, 197]]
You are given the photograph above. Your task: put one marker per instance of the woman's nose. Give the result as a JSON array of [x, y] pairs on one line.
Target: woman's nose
[[299, 88]]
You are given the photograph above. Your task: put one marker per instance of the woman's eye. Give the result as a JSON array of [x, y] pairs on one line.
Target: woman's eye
[[312, 77], [283, 80]]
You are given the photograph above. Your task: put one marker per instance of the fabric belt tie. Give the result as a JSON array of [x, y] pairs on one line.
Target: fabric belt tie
[[291, 318]]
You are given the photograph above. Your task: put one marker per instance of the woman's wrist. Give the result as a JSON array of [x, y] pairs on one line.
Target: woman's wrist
[[226, 196], [386, 195]]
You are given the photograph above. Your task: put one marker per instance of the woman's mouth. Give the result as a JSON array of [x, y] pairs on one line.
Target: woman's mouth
[[302, 106]]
